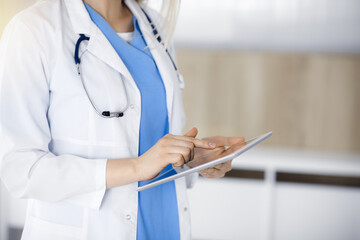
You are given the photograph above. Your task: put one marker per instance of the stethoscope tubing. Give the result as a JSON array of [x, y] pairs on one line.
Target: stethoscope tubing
[[77, 59], [104, 114]]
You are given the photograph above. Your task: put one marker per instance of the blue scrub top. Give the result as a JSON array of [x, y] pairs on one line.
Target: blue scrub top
[[157, 210]]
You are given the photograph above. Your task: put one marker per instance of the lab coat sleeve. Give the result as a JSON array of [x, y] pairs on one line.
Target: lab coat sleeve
[[27, 167]]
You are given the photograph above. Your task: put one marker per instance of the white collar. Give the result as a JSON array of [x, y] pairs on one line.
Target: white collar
[[79, 17]]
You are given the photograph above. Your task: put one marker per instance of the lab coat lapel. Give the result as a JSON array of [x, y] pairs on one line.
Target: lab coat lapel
[[98, 44], [161, 58], [102, 49]]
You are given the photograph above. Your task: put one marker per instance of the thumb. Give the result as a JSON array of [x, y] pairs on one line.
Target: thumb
[[192, 133]]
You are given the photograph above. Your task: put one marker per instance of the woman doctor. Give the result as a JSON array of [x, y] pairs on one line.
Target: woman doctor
[[91, 107]]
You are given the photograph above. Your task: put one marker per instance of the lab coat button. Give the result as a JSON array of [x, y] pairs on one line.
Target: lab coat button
[[128, 217], [131, 106], [185, 209]]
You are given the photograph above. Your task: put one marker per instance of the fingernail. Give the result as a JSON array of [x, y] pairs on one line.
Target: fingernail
[[212, 145]]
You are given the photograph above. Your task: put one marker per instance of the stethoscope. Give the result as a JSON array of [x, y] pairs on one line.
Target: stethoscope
[[109, 114]]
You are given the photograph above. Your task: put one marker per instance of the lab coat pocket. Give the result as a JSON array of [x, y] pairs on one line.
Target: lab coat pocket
[[45, 230]]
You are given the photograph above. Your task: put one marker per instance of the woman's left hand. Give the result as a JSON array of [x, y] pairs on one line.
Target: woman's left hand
[[221, 169]]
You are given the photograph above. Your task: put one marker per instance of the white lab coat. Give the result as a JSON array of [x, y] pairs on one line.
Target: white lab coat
[[54, 147]]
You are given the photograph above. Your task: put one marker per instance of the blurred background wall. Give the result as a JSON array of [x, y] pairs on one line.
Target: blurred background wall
[[251, 66], [309, 100], [291, 66]]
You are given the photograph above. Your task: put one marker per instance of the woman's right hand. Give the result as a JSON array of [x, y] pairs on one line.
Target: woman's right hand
[[171, 149]]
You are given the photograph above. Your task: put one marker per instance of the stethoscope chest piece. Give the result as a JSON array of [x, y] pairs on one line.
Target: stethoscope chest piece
[[112, 114]]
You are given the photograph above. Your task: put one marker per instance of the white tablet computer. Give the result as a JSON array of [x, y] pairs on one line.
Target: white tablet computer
[[215, 157]]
